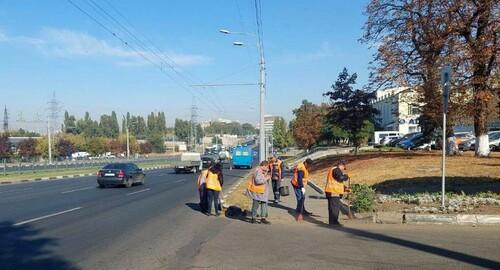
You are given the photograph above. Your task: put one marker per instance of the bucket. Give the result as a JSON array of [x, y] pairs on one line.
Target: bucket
[[284, 191]]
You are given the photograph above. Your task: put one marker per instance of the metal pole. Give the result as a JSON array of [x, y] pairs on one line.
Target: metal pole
[[443, 161], [49, 134], [128, 139], [262, 136]]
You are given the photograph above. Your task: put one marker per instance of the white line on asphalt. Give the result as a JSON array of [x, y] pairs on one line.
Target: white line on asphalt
[[47, 216], [180, 180], [142, 190], [12, 190], [74, 190]]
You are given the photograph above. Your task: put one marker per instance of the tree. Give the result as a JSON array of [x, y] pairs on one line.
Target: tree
[[157, 142], [27, 149], [97, 145], [281, 136], [23, 133], [307, 124], [145, 148], [64, 148], [69, 124], [350, 109], [116, 147], [5, 147], [477, 26], [182, 129], [248, 129], [414, 40]]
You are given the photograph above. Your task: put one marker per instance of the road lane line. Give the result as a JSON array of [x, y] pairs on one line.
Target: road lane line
[[180, 180], [142, 190], [47, 216], [74, 190], [12, 190]]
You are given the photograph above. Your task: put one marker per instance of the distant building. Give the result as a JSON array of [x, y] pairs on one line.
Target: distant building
[[398, 109]]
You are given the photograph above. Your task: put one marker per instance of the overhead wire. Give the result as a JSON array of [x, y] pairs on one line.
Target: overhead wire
[[155, 50], [138, 52]]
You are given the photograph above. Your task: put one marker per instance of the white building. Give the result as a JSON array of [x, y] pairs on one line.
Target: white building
[[397, 109]]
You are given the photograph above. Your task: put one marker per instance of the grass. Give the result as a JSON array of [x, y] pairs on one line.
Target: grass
[[238, 197], [14, 176], [377, 168]]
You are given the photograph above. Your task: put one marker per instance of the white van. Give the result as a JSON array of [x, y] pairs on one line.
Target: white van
[[390, 135]]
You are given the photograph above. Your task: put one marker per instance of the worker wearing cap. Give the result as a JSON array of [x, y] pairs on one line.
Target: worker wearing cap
[[299, 183], [275, 170], [335, 188]]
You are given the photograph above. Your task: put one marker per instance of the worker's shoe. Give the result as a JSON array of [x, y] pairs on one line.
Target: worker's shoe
[[264, 221]]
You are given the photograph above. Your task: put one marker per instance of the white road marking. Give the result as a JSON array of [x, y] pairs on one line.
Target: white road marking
[[180, 180], [142, 190], [12, 190], [47, 216], [74, 190]]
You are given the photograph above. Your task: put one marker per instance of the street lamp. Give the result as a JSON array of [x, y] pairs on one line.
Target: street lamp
[[128, 138], [262, 88]]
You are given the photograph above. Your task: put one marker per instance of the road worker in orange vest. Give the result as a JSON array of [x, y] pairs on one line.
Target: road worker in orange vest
[[335, 188], [214, 183], [275, 172], [258, 191], [299, 183]]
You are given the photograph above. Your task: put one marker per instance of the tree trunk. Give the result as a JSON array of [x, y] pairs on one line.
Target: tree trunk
[[481, 123]]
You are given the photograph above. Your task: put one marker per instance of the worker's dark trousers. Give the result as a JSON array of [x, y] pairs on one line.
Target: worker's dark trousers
[[213, 198], [334, 207], [203, 198], [276, 189], [300, 200]]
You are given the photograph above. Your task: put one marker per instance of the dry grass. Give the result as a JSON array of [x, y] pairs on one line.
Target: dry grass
[[377, 168], [238, 197]]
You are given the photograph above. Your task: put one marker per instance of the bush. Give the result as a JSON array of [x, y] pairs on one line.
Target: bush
[[363, 198]]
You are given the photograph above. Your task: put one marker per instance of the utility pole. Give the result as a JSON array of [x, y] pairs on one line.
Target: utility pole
[[193, 131], [52, 121], [128, 137], [5, 120]]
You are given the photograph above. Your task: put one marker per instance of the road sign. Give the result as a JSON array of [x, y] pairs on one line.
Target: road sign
[[445, 82]]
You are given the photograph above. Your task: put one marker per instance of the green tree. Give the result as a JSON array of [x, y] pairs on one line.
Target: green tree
[[69, 124], [97, 145], [157, 142], [248, 129], [350, 109], [182, 129], [281, 138]]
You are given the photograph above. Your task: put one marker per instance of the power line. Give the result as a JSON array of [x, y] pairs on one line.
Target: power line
[[153, 48], [141, 54]]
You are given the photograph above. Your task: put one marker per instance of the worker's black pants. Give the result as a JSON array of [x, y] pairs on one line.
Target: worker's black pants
[[334, 207], [276, 189]]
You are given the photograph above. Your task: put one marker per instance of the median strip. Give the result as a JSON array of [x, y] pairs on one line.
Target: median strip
[[74, 190], [142, 190], [47, 216]]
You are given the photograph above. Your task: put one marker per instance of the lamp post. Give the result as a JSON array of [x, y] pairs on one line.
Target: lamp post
[[128, 138], [262, 89]]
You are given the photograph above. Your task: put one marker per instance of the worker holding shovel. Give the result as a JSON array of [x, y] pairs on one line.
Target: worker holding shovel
[[335, 189]]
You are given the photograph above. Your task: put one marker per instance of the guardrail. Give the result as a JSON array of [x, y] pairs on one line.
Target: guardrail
[[79, 164]]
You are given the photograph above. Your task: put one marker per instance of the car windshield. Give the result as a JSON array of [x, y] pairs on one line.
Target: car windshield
[[115, 166]]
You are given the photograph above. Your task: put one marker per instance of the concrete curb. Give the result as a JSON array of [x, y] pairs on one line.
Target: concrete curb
[[59, 177], [432, 219], [460, 219]]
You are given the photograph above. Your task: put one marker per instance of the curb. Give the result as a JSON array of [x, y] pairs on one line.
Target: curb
[[459, 219], [432, 219], [59, 177]]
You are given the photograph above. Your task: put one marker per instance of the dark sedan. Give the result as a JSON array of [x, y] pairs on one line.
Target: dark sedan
[[120, 174]]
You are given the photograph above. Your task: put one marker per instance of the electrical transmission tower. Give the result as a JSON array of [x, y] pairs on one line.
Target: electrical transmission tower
[[194, 130], [5, 120]]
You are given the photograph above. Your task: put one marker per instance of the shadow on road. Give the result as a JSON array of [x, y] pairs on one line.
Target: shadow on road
[[194, 206], [469, 185], [20, 248], [462, 257]]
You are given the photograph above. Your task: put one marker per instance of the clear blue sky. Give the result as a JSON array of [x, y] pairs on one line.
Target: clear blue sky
[[48, 46]]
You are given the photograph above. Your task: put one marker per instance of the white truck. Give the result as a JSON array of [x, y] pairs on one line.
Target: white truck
[[188, 162]]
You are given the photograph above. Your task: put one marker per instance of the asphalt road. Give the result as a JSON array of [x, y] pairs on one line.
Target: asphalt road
[[72, 224]]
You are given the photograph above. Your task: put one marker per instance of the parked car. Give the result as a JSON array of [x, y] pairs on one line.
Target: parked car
[[379, 135], [388, 138], [494, 141], [120, 174], [413, 141], [396, 141]]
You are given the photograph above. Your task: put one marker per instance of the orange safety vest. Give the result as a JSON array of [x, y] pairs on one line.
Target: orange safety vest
[[213, 181], [332, 185], [300, 167], [254, 187], [202, 175], [278, 167]]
